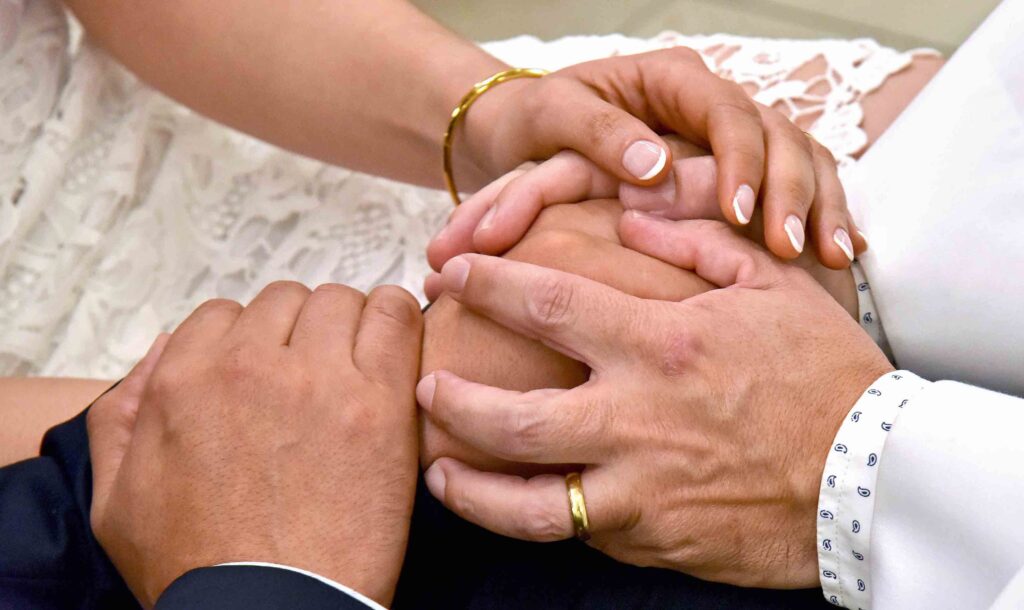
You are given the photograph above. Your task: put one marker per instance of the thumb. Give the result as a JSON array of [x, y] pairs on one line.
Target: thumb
[[689, 191], [711, 249], [615, 140], [111, 420]]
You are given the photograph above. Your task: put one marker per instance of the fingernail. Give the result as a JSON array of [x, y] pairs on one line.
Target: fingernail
[[435, 480], [842, 239], [454, 274], [644, 159], [743, 204], [649, 198], [488, 219], [864, 237], [425, 391], [645, 216], [795, 230]]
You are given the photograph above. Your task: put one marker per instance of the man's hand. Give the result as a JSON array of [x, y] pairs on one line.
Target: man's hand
[[705, 424], [284, 432]]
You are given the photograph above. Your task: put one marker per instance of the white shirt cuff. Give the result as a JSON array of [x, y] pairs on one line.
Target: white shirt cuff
[[868, 316], [846, 500], [327, 581]]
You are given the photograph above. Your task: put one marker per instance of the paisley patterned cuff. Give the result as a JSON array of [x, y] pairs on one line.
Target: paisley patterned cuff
[[846, 501], [868, 318]]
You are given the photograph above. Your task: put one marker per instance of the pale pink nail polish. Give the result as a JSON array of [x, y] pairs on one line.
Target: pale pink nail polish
[[794, 228], [644, 159], [743, 204], [842, 239]]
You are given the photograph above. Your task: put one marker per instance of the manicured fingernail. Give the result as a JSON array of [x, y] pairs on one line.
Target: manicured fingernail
[[454, 274], [842, 239], [644, 159], [649, 198], [435, 480], [795, 231], [743, 204], [488, 220], [425, 391], [864, 237]]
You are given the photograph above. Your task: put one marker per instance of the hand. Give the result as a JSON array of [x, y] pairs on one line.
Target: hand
[[284, 432], [687, 194], [669, 91], [704, 427]]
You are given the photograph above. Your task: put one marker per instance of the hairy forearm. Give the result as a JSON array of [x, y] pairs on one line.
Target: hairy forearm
[[366, 85]]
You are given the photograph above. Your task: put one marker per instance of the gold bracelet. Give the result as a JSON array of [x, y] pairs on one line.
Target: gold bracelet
[[467, 101]]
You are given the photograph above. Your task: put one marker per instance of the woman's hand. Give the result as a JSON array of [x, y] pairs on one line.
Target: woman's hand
[[759, 152], [705, 424]]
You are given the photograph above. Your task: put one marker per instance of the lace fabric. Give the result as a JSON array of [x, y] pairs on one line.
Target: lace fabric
[[120, 210]]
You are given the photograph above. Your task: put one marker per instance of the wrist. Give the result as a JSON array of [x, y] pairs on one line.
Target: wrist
[[488, 140]]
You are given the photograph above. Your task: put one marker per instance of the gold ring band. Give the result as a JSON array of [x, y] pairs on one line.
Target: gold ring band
[[578, 506], [463, 107]]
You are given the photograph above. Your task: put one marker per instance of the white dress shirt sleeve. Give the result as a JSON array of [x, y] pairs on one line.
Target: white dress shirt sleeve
[[327, 581], [939, 198], [846, 502]]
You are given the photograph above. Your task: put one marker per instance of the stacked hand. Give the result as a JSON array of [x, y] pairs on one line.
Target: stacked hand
[[760, 155], [704, 427], [282, 432]]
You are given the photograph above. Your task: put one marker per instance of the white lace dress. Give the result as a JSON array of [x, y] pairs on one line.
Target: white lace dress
[[120, 210]]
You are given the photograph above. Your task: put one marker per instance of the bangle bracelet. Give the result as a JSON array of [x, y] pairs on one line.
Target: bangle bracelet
[[463, 107]]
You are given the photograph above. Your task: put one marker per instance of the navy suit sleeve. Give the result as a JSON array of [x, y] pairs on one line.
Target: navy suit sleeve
[[49, 558], [253, 588]]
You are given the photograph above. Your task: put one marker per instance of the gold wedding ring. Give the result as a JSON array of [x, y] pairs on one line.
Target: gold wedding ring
[[578, 506]]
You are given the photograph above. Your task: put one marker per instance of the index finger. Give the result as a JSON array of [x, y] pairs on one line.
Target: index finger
[[580, 318]]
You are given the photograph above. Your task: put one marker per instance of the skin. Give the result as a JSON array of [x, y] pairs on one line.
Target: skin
[[300, 405], [498, 216], [703, 427], [55, 400], [579, 239]]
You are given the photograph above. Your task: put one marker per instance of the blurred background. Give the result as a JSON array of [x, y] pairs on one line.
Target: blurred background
[[902, 24]]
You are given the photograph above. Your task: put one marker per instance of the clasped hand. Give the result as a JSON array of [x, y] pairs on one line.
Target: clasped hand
[[282, 432], [703, 428]]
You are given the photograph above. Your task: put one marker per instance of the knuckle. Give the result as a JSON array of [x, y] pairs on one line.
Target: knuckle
[[550, 304], [538, 522], [285, 285], [337, 289], [166, 378], [603, 125], [395, 305], [825, 156], [679, 352], [214, 306], [527, 426], [797, 190], [738, 106], [686, 54]]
